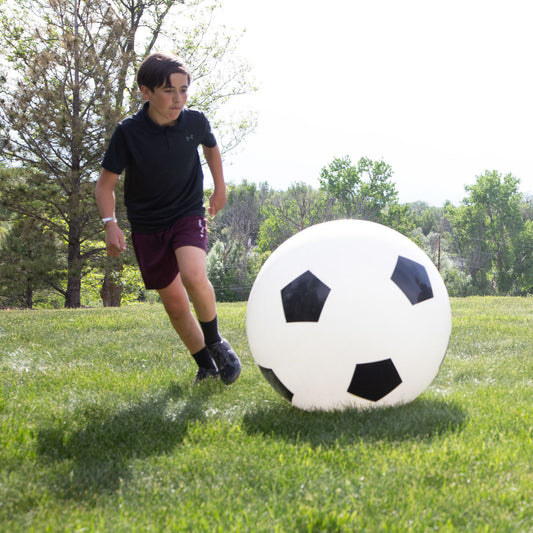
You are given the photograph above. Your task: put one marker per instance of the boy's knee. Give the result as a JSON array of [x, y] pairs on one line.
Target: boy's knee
[[176, 305], [177, 310], [194, 280]]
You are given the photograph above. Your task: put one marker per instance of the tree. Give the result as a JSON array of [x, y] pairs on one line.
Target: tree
[[425, 217], [70, 79], [29, 261], [526, 207], [360, 191], [241, 218], [232, 270], [232, 261], [290, 212], [523, 268], [487, 230]]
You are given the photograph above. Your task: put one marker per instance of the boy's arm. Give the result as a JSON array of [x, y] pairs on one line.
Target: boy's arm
[[105, 200], [214, 161]]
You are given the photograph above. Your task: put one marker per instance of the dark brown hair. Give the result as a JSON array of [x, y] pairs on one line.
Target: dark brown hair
[[156, 69]]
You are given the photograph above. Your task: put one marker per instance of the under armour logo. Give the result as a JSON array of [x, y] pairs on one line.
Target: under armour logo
[[189, 138]]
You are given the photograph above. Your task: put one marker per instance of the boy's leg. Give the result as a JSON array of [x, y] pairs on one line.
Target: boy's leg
[[193, 271], [176, 303]]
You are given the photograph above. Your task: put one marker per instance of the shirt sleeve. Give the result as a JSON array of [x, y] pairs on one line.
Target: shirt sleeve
[[208, 138], [117, 155]]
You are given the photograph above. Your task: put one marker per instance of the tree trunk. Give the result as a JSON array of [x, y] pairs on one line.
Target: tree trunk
[[28, 297], [73, 293], [111, 291]]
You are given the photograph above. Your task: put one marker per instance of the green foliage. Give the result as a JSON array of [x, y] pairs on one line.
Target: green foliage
[[425, 217], [30, 261], [290, 212], [102, 430], [233, 260], [256, 220], [489, 233], [436, 248], [523, 264], [128, 277], [232, 270], [364, 190], [241, 217]]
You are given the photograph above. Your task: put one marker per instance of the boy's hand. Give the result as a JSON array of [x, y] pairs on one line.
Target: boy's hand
[[217, 201], [114, 239]]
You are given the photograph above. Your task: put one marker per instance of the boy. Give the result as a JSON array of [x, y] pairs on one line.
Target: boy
[[163, 193]]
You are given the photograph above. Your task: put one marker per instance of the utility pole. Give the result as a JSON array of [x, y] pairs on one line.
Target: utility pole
[[438, 260]]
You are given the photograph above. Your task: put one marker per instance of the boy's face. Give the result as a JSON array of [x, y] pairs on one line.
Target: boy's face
[[167, 102]]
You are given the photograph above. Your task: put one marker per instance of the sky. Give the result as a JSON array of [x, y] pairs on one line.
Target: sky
[[440, 90]]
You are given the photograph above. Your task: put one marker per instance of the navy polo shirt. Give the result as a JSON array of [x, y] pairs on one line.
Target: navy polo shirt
[[163, 172]]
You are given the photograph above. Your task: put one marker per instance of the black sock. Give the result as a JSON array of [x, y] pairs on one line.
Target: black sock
[[210, 330], [203, 358]]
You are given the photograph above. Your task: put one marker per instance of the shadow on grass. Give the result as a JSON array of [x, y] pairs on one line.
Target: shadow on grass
[[419, 420], [95, 458]]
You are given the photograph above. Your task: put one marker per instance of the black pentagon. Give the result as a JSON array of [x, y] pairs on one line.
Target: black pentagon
[[303, 299], [277, 385], [412, 278], [373, 381]]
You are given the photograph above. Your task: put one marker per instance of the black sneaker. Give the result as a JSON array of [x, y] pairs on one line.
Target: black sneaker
[[205, 373], [229, 366]]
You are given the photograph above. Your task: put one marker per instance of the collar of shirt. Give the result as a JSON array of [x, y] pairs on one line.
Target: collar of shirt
[[143, 114]]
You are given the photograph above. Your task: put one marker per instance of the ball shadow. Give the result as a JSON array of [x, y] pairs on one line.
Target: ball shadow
[[421, 419], [95, 458]]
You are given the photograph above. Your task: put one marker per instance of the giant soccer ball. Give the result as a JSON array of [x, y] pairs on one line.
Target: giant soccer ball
[[348, 313]]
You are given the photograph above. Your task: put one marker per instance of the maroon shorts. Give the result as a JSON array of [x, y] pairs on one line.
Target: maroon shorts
[[156, 252]]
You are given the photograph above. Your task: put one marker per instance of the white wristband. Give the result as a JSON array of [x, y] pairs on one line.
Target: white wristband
[[109, 219]]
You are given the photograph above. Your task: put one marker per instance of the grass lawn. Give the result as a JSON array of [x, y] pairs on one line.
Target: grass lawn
[[102, 430]]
